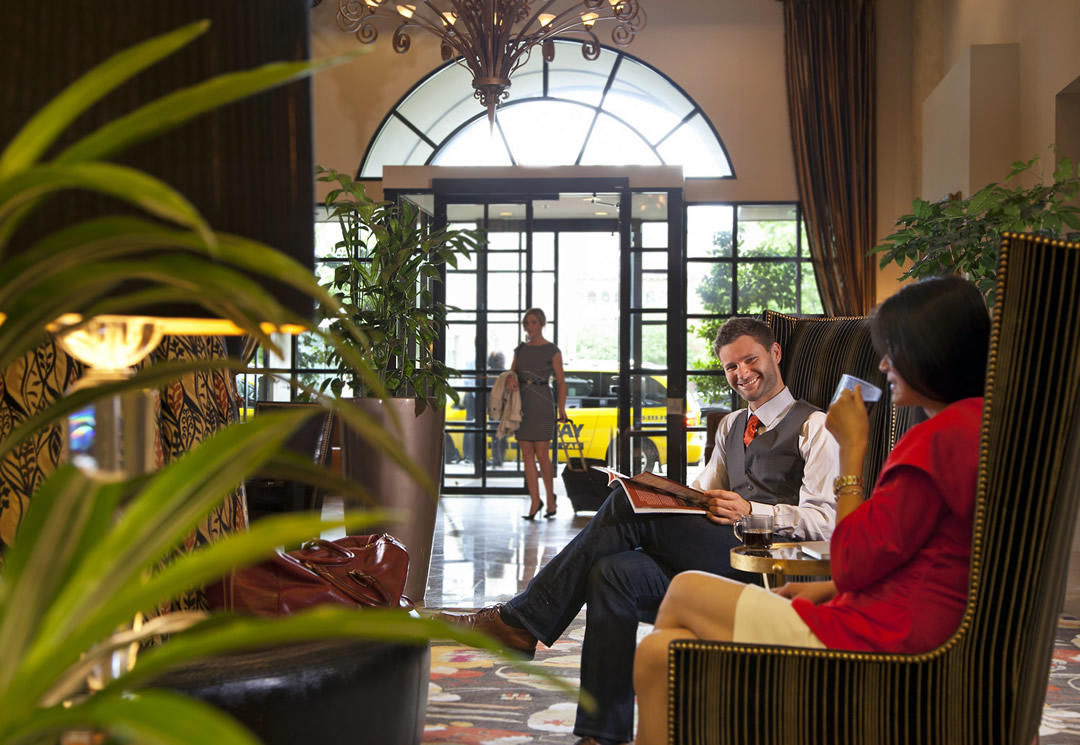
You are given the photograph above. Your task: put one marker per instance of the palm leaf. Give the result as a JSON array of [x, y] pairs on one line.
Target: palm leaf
[[172, 110], [150, 717], [19, 192]]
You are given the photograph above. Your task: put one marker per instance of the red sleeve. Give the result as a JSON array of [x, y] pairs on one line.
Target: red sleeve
[[884, 532]]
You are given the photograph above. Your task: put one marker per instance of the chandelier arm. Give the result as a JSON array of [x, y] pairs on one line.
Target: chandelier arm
[[569, 19], [416, 20], [535, 18]]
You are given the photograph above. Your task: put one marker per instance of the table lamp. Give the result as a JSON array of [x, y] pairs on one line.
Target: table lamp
[[248, 167]]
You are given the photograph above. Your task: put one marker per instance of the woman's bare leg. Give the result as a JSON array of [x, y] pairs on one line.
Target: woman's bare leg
[[546, 472], [528, 459], [697, 605], [650, 684]]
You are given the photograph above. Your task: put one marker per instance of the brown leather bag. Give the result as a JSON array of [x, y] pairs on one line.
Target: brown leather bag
[[366, 570]]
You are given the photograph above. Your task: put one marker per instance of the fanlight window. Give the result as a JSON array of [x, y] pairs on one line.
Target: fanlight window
[[615, 110]]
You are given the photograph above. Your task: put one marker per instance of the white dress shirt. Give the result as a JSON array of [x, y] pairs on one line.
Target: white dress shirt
[[815, 515]]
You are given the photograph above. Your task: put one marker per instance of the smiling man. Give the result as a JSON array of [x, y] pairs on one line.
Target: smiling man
[[773, 457]]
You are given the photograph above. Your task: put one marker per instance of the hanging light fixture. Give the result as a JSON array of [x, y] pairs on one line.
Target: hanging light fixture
[[493, 38]]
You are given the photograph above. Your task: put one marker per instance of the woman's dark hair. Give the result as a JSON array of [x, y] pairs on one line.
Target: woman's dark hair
[[936, 332]]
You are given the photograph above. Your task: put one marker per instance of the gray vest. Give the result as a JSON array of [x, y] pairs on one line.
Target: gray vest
[[770, 470]]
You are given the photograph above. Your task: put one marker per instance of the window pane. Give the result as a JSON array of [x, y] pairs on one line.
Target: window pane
[[654, 260], [501, 261], [645, 98], [767, 285], [712, 391], [708, 230], [504, 290], [505, 241], [441, 103], [760, 239], [613, 143], [708, 288], [767, 230], [327, 236], [545, 133], [461, 290], [573, 77], [589, 299], [700, 334], [475, 145], [653, 330], [395, 144], [505, 212], [654, 235], [696, 148], [543, 297], [811, 299], [543, 252], [461, 346]]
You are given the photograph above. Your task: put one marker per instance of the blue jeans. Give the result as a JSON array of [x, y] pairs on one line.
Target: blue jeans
[[620, 564]]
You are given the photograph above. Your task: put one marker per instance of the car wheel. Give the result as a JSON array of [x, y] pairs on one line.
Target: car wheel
[[650, 454]]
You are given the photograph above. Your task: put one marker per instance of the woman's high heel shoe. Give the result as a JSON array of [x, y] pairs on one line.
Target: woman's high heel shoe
[[551, 514], [532, 515]]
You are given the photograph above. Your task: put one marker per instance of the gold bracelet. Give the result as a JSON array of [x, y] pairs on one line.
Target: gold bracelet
[[842, 482]]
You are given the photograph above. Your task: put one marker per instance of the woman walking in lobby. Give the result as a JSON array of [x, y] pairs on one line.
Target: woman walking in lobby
[[536, 361]]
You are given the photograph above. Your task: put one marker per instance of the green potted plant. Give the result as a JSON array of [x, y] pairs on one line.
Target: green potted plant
[[963, 236], [386, 290], [87, 556]]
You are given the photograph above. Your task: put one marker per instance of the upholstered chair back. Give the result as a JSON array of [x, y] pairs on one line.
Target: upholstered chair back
[[985, 684], [815, 352]]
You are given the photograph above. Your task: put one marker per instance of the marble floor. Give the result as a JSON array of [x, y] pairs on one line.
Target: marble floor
[[484, 552]]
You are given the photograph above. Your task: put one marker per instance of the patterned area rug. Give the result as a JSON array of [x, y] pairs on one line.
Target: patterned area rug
[[1061, 712], [476, 700]]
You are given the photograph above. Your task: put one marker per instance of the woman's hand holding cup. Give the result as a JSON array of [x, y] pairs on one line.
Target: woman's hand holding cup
[[847, 419]]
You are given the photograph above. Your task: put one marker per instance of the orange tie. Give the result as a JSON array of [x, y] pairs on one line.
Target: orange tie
[[751, 432]]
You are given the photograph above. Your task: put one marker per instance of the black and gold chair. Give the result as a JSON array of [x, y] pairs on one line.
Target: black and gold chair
[[815, 352], [987, 683]]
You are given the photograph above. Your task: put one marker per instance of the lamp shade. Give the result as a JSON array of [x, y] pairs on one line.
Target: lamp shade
[[247, 167]]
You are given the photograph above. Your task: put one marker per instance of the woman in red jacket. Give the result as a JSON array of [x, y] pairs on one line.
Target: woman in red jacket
[[899, 561]]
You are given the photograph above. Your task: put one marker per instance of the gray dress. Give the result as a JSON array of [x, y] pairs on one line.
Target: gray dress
[[537, 402]]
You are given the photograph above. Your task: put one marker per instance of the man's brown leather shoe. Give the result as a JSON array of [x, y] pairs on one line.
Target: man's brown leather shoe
[[488, 621]]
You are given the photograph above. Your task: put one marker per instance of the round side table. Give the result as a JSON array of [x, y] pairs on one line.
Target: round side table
[[778, 562]]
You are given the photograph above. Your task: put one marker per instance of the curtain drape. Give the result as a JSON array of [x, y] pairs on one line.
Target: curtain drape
[[830, 70]]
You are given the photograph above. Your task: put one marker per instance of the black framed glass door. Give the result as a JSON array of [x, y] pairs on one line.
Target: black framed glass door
[[604, 262]]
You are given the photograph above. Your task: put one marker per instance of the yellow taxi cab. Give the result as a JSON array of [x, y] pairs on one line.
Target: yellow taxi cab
[[591, 403]]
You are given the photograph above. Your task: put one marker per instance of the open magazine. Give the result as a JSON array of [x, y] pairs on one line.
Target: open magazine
[[650, 492]]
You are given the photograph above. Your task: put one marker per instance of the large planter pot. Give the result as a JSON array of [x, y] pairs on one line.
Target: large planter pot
[[421, 439]]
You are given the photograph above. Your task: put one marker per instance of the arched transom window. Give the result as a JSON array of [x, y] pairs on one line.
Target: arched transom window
[[615, 110]]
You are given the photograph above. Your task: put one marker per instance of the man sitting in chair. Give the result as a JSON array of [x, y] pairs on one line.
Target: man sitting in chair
[[773, 458]]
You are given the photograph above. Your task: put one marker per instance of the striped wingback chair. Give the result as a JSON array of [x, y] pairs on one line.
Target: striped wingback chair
[[815, 352], [986, 684]]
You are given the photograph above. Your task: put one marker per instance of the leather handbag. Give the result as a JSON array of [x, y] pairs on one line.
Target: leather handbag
[[361, 570]]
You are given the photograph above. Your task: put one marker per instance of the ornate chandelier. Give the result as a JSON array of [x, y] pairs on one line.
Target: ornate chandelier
[[493, 38]]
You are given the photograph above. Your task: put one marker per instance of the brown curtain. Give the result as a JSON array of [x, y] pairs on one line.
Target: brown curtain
[[829, 61]]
